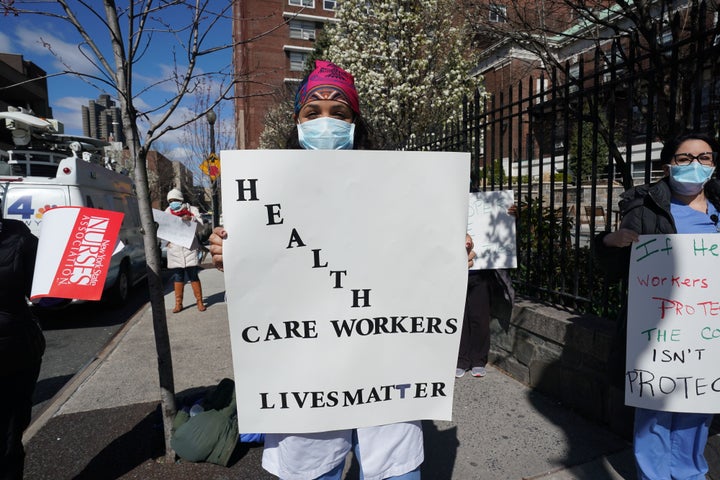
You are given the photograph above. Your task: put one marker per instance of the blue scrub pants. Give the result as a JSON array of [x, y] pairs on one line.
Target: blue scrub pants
[[670, 446]]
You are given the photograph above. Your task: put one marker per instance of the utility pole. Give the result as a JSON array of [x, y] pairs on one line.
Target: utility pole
[[211, 117]]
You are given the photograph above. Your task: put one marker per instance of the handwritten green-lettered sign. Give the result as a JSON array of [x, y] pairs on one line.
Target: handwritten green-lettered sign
[[673, 338]]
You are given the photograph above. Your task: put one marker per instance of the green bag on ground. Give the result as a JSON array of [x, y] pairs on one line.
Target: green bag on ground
[[211, 435]]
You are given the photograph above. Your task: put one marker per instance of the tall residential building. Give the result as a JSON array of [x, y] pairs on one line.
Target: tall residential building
[[101, 119], [273, 39]]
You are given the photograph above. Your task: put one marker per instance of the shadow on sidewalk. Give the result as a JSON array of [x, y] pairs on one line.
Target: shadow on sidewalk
[[104, 443], [124, 442], [582, 449], [142, 443], [589, 394], [440, 451]]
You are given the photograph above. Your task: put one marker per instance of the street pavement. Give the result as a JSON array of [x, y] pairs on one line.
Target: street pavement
[[106, 423]]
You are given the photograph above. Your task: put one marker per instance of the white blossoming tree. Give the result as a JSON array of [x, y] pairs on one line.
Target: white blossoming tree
[[410, 61]]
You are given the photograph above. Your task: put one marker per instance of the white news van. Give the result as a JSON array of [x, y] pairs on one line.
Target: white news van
[[69, 170]]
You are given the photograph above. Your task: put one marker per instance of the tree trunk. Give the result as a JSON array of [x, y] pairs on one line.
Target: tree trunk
[[123, 82], [157, 304]]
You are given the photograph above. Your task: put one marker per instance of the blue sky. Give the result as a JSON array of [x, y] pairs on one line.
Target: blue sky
[[53, 45]]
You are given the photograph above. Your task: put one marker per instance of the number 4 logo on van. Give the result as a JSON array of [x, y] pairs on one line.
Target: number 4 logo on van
[[22, 207]]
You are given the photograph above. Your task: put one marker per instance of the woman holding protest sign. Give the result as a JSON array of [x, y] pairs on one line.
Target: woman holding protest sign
[[22, 343], [183, 262], [667, 444], [483, 286], [327, 116]]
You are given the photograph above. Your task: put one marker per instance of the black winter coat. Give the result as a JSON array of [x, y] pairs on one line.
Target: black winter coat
[[21, 340]]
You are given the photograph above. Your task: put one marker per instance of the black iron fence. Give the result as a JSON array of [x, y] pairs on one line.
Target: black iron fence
[[569, 142]]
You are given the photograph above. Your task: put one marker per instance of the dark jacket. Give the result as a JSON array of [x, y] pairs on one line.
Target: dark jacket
[[21, 340], [18, 248]]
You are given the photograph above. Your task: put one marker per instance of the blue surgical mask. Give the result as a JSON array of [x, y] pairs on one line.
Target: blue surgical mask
[[689, 179], [175, 206], [326, 133]]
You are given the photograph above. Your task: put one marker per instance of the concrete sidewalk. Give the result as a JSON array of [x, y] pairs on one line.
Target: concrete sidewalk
[[106, 422]]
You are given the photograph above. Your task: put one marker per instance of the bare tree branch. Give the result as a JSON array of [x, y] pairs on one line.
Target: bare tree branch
[[116, 39]]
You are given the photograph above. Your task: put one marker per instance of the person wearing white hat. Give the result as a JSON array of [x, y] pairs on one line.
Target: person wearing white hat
[[184, 261]]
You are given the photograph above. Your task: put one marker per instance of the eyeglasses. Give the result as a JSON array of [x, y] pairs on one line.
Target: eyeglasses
[[705, 158]]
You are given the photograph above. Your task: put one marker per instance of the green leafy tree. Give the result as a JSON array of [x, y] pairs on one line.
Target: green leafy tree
[[410, 61], [492, 175], [587, 148]]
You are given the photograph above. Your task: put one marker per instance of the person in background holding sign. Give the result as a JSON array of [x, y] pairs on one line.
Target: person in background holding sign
[[667, 444], [22, 343], [475, 335], [327, 116], [184, 261]]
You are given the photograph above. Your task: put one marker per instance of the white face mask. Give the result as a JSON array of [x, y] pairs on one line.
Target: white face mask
[[326, 133]]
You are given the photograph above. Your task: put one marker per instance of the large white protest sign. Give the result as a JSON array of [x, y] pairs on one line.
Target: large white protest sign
[[673, 337], [492, 229], [174, 229], [74, 251], [346, 275]]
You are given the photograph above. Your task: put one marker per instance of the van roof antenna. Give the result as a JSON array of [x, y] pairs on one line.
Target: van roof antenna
[[76, 148]]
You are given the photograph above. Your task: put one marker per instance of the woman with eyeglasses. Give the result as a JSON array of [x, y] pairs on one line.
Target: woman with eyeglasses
[[667, 445]]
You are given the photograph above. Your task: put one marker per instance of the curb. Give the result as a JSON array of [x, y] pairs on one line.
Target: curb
[[85, 372]]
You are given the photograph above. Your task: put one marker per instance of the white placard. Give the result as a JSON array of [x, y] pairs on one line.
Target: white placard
[[673, 338], [174, 229], [492, 229], [346, 275]]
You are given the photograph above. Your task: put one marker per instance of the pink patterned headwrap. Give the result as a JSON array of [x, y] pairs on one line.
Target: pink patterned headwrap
[[328, 82]]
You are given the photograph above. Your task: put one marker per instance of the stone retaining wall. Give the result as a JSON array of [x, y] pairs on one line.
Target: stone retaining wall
[[564, 356]]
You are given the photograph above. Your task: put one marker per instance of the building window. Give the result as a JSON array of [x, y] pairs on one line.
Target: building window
[[302, 30], [302, 3], [329, 4], [666, 41], [297, 61], [498, 13], [574, 78]]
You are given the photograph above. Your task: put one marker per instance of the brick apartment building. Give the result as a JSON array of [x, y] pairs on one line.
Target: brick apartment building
[[283, 34], [271, 65], [514, 75]]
